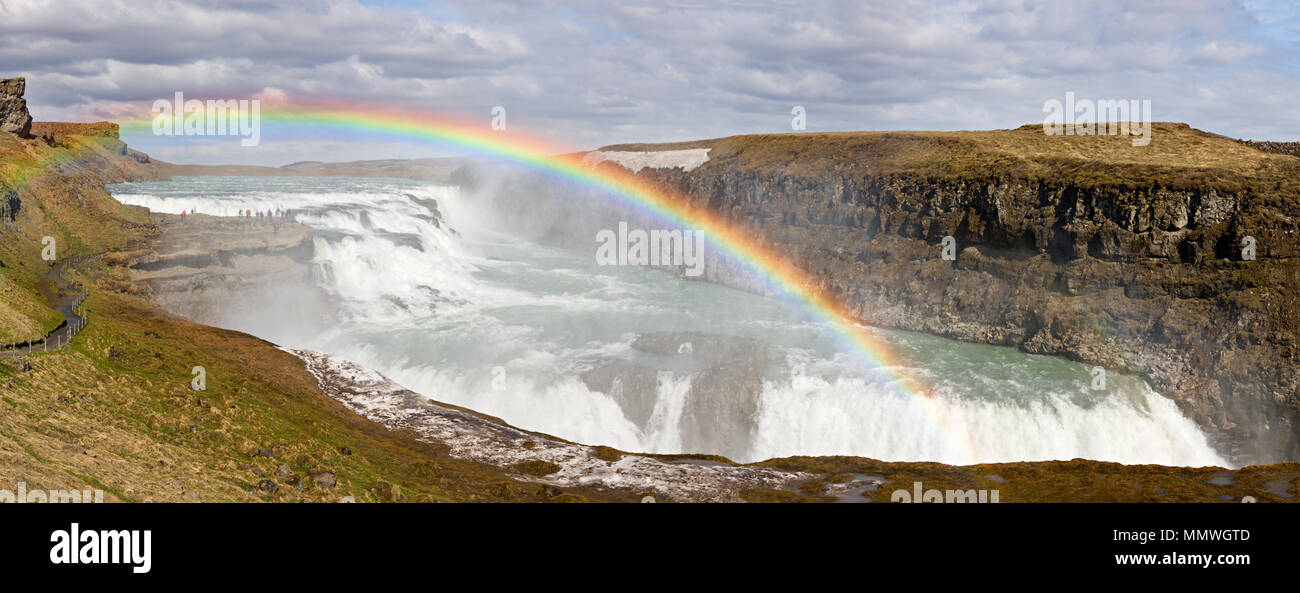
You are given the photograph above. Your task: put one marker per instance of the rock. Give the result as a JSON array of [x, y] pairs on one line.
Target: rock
[[14, 117], [324, 479], [283, 471], [268, 486], [631, 386], [385, 492], [9, 204], [345, 451], [720, 414], [21, 364]]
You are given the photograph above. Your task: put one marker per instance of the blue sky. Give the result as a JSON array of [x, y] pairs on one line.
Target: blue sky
[[588, 73]]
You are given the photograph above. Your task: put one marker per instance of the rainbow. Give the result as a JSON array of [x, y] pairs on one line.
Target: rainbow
[[786, 280]]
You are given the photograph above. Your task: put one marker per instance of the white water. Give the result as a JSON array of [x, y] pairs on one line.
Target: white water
[[506, 327]]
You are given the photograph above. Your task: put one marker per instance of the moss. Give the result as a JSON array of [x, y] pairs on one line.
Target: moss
[[536, 467]]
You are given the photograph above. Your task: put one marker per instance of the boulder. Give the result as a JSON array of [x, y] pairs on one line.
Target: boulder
[[324, 479]]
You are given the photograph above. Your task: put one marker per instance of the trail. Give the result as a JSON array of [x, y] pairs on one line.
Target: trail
[[72, 324]]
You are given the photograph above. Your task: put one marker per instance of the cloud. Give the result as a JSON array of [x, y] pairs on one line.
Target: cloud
[[593, 72]]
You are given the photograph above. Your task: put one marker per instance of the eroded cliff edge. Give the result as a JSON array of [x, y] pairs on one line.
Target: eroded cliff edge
[[1085, 247]]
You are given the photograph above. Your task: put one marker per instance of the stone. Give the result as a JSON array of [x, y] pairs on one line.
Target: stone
[[324, 479]]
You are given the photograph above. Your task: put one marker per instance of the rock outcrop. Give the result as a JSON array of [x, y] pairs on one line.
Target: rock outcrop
[[232, 272], [14, 117]]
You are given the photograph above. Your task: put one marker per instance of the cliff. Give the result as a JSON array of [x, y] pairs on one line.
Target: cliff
[[1078, 246], [212, 269]]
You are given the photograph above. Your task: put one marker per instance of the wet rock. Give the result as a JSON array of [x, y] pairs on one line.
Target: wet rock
[[720, 414], [633, 387]]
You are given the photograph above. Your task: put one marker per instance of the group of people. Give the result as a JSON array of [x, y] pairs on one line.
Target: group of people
[[277, 213]]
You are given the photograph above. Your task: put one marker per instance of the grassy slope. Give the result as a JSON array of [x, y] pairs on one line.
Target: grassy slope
[[60, 200]]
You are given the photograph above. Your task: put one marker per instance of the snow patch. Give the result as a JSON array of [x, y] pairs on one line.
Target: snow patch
[[686, 160]]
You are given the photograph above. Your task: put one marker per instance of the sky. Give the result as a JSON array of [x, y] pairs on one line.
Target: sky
[[589, 73]]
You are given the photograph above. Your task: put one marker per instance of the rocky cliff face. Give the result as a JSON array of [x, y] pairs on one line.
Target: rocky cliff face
[[14, 117], [1084, 249], [230, 271]]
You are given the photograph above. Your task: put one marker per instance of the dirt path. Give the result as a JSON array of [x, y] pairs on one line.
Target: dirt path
[[70, 297]]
